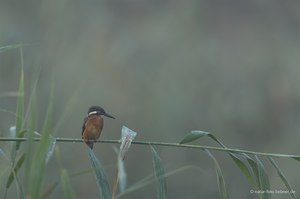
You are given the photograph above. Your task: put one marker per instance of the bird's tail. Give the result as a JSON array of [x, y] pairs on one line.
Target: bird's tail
[[90, 144]]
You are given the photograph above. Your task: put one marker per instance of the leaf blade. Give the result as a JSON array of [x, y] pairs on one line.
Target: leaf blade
[[100, 175], [20, 103], [192, 136], [245, 168], [15, 170], [161, 185], [10, 47], [283, 178], [220, 178], [66, 184], [149, 179], [43, 152], [296, 158], [263, 178]]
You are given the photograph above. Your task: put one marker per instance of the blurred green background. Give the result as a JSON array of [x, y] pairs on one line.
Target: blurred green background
[[162, 68]]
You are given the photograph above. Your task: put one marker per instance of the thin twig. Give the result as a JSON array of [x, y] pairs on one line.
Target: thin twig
[[5, 139]]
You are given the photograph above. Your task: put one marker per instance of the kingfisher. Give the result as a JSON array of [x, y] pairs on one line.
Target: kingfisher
[[93, 125]]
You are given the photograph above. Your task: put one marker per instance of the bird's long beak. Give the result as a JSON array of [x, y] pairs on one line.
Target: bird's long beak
[[107, 115]]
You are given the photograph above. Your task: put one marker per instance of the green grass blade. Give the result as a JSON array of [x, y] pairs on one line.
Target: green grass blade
[[21, 98], [10, 47], [283, 178], [150, 179], [30, 145], [31, 113], [20, 103], [48, 120], [15, 170], [13, 177], [10, 179], [161, 184], [43, 152], [65, 180], [220, 178], [19, 188], [20, 135], [102, 182], [31, 120], [19, 126], [38, 166]]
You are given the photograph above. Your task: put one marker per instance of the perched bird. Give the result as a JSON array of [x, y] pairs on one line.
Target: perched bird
[[93, 125]]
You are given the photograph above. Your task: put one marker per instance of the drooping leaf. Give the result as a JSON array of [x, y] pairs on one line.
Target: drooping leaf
[[220, 178], [100, 175], [283, 178], [15, 170], [254, 170], [161, 185], [263, 178], [248, 169], [243, 167], [296, 158]]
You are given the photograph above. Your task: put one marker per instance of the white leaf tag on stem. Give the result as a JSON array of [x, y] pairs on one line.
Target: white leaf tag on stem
[[127, 135]]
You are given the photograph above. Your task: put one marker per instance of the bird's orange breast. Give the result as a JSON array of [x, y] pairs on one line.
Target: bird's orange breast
[[93, 127]]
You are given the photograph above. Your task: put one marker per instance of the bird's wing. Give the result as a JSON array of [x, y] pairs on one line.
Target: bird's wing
[[83, 125]]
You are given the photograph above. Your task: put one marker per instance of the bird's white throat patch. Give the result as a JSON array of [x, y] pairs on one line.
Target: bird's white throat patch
[[92, 113]]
